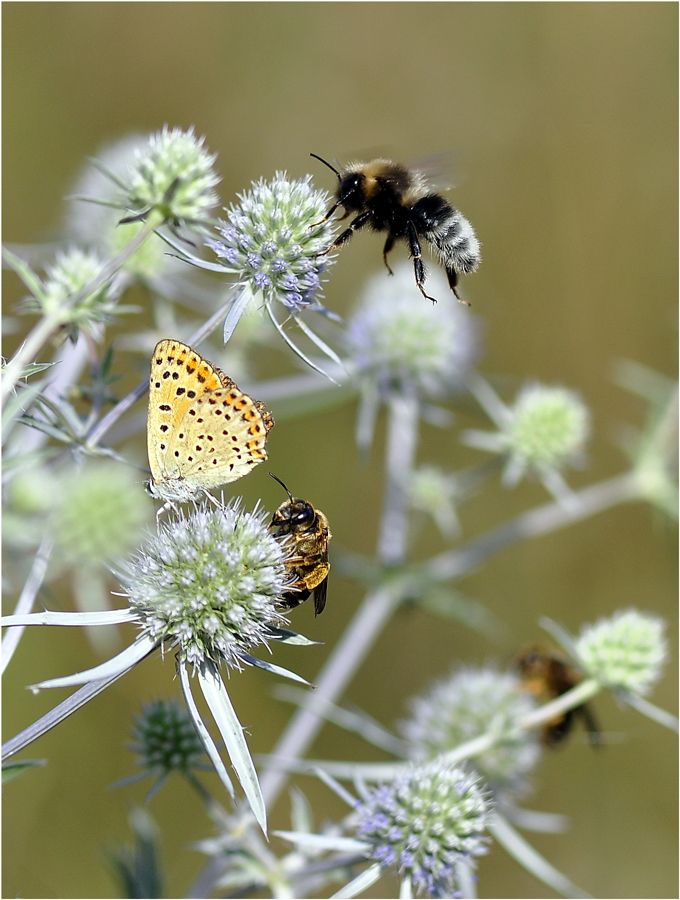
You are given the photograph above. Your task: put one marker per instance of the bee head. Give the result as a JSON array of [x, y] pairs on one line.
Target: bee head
[[294, 515]]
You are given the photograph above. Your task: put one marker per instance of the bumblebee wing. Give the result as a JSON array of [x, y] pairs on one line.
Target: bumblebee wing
[[590, 723], [320, 592], [442, 171]]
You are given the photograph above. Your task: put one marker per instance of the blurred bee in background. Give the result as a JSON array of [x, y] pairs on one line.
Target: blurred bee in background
[[390, 197], [545, 673], [310, 534]]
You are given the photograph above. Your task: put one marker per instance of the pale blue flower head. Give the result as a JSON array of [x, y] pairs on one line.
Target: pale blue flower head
[[424, 823], [273, 238]]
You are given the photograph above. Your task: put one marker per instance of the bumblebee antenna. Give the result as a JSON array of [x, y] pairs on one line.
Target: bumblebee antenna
[[332, 168], [283, 486]]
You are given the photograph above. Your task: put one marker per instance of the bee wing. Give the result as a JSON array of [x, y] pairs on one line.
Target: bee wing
[[442, 171], [320, 592], [590, 722]]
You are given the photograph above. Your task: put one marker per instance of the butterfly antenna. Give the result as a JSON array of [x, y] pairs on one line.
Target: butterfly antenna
[[290, 496], [332, 168]]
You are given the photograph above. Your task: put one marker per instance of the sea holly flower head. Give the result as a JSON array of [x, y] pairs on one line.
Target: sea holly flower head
[[548, 427], [98, 514], [396, 338], [174, 176], [272, 240], [209, 582], [70, 274], [473, 701], [544, 430], [94, 211], [626, 651], [424, 823]]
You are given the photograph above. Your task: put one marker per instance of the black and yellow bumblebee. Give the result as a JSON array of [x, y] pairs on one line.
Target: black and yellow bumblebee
[[393, 198], [546, 674], [308, 528]]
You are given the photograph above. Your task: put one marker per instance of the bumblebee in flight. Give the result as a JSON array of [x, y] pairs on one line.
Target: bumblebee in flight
[[545, 674], [391, 198], [308, 528]]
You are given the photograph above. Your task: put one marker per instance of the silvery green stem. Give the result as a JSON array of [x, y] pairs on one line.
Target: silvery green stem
[[532, 861], [64, 709], [538, 521], [378, 606], [25, 602], [570, 700], [348, 654], [39, 334], [402, 438]]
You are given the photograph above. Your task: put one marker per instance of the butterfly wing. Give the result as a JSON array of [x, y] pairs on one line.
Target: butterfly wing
[[221, 437], [202, 431], [178, 376]]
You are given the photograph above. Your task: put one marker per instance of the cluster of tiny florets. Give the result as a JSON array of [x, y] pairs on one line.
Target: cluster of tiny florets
[[548, 427], [625, 651], [71, 272], [469, 703], [272, 240], [174, 175], [94, 212], [165, 740], [209, 582], [396, 337], [98, 513], [424, 823]]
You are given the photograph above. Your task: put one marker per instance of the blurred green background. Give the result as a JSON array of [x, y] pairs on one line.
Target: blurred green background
[[563, 117]]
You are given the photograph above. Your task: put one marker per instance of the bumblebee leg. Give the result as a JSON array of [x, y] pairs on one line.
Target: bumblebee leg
[[452, 275], [344, 236], [326, 217], [389, 243], [416, 255]]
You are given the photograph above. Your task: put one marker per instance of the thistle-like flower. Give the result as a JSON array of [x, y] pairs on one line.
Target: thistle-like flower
[[173, 176], [543, 431], [208, 584], [425, 823], [396, 340], [97, 513], [626, 651], [72, 271], [273, 238], [471, 702], [165, 741], [94, 211]]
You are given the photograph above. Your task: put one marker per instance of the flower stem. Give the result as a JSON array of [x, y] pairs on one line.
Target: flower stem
[[378, 606], [535, 522], [25, 602], [41, 332]]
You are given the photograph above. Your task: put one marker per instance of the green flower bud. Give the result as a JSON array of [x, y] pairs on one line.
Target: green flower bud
[[625, 651], [100, 514], [471, 702]]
